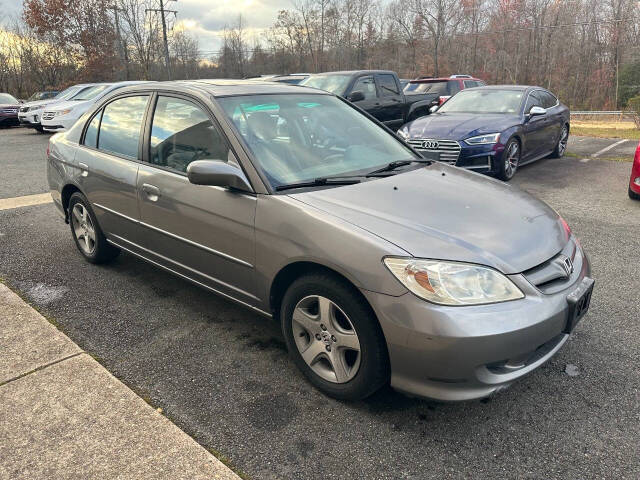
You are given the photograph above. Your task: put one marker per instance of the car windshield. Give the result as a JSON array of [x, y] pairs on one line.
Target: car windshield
[[336, 84], [299, 138], [6, 98], [40, 96], [90, 93], [484, 101], [68, 93], [437, 88]]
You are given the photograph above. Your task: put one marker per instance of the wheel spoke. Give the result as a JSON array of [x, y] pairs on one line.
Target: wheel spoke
[[347, 340], [337, 364], [310, 355], [91, 233], [305, 320], [324, 306], [77, 213]]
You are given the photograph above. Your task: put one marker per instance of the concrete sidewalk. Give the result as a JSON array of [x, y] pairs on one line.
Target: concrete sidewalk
[[63, 416]]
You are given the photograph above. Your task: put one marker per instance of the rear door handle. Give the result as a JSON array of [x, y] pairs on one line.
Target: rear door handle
[[85, 169], [151, 191]]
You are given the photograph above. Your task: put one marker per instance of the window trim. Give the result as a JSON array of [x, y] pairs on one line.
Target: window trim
[[100, 110], [375, 84], [378, 81]]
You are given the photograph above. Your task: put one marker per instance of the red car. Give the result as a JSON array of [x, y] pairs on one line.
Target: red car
[[634, 182], [439, 90], [8, 110]]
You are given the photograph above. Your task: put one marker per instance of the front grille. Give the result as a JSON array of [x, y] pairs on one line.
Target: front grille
[[551, 276], [8, 110], [449, 150], [48, 115]]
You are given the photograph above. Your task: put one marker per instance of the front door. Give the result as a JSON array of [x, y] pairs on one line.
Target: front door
[[535, 129], [201, 232], [108, 160], [371, 102]]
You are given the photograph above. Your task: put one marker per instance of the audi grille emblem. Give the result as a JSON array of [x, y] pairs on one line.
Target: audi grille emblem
[[430, 144], [566, 264]]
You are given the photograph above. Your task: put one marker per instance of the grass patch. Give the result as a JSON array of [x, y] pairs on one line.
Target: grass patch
[[602, 129], [228, 463]]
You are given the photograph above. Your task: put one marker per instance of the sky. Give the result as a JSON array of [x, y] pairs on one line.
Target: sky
[[205, 19]]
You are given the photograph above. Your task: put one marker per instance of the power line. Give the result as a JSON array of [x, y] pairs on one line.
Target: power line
[[164, 32]]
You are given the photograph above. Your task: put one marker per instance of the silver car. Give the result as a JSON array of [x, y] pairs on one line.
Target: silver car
[[381, 266]]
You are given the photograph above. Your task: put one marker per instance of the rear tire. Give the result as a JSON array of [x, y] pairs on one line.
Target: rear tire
[[86, 232], [335, 338], [633, 195]]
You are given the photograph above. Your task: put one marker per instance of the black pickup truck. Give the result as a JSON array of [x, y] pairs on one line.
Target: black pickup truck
[[376, 91]]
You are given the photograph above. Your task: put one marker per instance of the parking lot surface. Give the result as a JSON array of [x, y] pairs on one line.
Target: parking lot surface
[[221, 373]]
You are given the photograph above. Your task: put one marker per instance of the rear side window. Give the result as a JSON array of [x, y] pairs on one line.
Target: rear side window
[[367, 86], [181, 133], [121, 125], [454, 87], [388, 85], [437, 88], [470, 83], [91, 135]]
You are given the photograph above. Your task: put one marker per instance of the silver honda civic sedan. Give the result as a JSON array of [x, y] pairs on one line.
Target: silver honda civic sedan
[[381, 266]]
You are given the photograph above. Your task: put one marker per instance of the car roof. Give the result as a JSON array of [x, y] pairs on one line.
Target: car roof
[[353, 72], [506, 87], [227, 87], [442, 79]]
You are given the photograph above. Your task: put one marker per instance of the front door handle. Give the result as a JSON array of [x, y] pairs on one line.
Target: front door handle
[[85, 169], [151, 191]]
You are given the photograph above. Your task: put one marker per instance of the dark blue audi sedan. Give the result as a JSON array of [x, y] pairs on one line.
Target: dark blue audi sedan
[[492, 129]]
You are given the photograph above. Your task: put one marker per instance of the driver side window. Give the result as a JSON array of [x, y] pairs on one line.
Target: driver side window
[[181, 133], [532, 101], [367, 86]]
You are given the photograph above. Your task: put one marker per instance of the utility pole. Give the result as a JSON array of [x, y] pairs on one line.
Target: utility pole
[[162, 11], [120, 42]]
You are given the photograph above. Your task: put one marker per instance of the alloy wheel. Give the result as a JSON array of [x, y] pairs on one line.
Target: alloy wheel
[[326, 339], [511, 160], [564, 139], [83, 228]]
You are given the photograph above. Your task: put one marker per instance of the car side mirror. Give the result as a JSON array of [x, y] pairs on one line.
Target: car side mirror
[[218, 174], [356, 96], [434, 109], [535, 111]]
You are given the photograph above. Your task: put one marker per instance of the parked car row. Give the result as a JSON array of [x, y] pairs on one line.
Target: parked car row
[[381, 266]]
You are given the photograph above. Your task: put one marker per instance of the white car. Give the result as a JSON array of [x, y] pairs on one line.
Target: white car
[[30, 113], [63, 115]]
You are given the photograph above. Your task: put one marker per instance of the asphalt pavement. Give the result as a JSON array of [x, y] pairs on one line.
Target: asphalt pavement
[[221, 373]]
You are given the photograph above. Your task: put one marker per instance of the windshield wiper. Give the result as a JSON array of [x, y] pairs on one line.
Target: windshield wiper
[[397, 164], [319, 182]]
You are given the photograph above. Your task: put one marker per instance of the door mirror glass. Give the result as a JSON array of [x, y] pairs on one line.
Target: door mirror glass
[[535, 110], [218, 174], [356, 96]]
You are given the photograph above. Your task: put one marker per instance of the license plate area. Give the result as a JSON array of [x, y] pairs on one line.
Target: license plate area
[[579, 301]]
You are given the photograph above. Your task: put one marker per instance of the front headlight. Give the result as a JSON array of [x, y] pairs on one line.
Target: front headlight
[[63, 112], [453, 283], [484, 139], [403, 134]]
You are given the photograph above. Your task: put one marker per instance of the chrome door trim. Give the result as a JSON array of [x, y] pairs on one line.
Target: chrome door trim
[[198, 245], [182, 266], [177, 237]]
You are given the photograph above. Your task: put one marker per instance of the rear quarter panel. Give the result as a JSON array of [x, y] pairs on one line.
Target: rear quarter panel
[[60, 166]]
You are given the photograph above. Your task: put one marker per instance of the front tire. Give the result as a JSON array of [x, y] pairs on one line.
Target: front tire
[[334, 337], [510, 160], [86, 232], [561, 147]]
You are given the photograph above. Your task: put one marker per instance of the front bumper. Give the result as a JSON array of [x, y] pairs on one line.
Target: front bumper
[[480, 158], [464, 353], [9, 120], [58, 124], [30, 119]]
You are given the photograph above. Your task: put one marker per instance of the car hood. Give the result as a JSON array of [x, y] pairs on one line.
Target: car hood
[[40, 103], [76, 105], [446, 213], [458, 126]]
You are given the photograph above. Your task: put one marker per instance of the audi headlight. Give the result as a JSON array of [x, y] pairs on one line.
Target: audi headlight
[[453, 283], [484, 139]]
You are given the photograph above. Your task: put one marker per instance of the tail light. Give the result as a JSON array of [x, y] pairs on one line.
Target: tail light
[[443, 99]]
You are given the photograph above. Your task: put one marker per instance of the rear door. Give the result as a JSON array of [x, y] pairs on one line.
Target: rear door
[[371, 102], [202, 232], [108, 159], [391, 101]]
